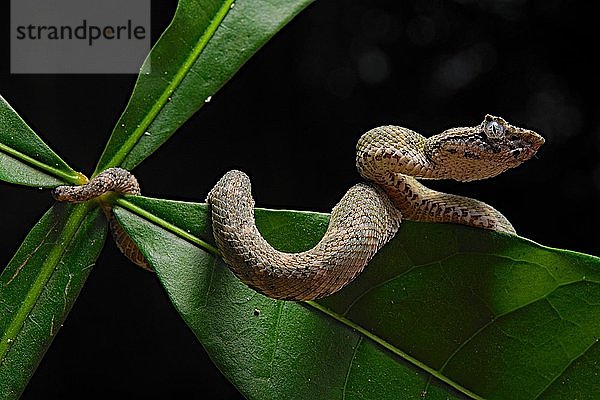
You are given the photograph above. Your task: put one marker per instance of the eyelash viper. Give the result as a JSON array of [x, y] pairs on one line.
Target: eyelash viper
[[391, 159]]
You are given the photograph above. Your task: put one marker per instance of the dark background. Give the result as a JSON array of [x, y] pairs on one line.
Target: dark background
[[290, 119]]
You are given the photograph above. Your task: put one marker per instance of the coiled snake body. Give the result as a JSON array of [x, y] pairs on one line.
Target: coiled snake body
[[391, 159]]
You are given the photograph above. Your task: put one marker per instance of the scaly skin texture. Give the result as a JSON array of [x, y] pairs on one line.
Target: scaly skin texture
[[361, 223], [112, 180], [393, 157], [390, 158]]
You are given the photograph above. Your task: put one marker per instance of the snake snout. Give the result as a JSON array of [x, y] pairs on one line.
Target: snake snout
[[525, 153], [529, 141]]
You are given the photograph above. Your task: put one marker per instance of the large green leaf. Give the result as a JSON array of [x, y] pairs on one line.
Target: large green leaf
[[492, 315], [25, 159], [206, 43], [40, 284]]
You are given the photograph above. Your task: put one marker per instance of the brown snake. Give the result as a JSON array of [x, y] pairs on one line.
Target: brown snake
[[115, 180], [391, 159]]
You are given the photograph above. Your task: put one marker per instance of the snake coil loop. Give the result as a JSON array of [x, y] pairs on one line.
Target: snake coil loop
[[116, 180]]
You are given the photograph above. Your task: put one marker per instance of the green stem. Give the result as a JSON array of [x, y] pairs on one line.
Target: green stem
[[393, 349], [72, 224], [67, 178], [168, 226], [132, 140]]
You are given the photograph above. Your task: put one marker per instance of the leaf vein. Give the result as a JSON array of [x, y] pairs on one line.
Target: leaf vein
[[552, 380], [360, 339], [276, 335]]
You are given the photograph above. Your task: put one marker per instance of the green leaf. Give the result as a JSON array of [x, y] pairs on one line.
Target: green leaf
[[269, 349], [25, 159], [40, 284], [206, 43], [492, 315]]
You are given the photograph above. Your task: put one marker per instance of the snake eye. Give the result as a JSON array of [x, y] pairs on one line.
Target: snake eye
[[493, 129]]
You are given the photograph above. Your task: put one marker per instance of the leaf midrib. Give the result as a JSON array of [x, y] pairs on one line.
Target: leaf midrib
[[392, 348], [68, 178], [215, 252], [72, 225], [168, 226], [133, 139], [340, 317]]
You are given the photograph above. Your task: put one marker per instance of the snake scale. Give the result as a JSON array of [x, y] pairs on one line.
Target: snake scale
[[390, 159], [112, 180]]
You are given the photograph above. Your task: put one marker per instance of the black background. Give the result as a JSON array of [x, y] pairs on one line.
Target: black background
[[290, 119]]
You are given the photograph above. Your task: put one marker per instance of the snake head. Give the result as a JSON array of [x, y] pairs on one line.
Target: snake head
[[521, 143], [483, 151]]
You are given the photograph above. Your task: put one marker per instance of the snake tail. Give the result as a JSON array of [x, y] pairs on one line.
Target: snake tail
[[116, 180], [124, 243], [113, 179], [361, 223]]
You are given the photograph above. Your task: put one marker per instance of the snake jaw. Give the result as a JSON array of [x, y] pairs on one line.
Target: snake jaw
[[523, 143], [523, 152]]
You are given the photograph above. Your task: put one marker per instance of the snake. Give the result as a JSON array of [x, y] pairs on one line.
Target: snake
[[116, 180], [391, 160]]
